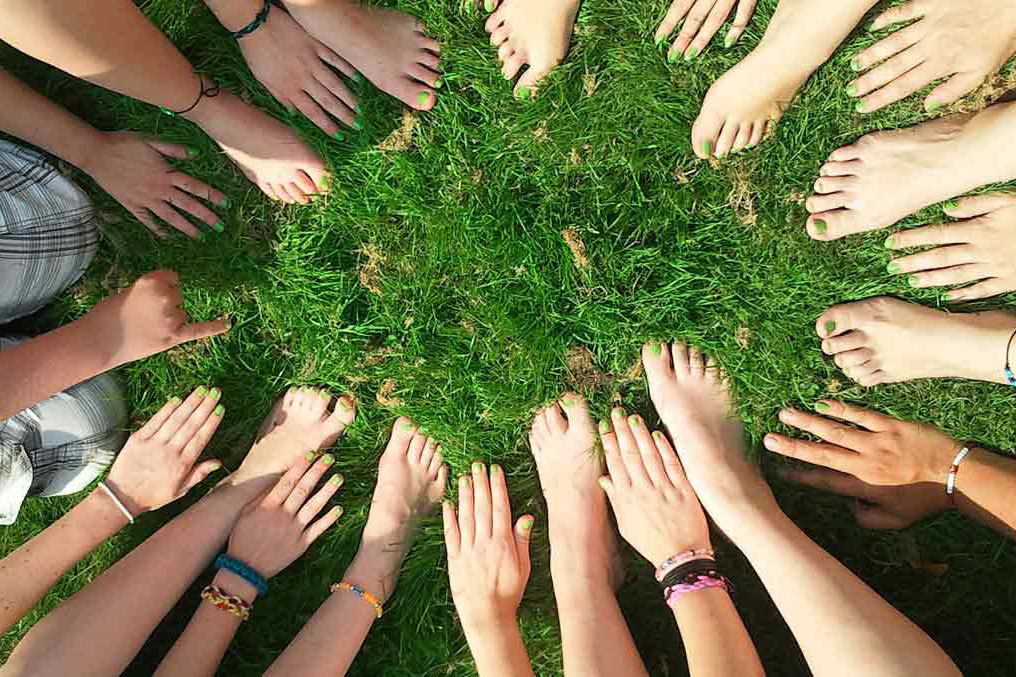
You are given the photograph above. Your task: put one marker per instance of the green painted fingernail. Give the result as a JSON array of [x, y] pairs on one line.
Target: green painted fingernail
[[912, 280], [889, 242], [932, 106], [439, 83], [336, 479], [422, 98], [822, 406], [673, 56], [358, 124], [820, 226], [729, 41], [328, 459], [949, 206], [339, 136], [408, 426], [226, 202], [852, 89], [214, 393], [633, 421], [201, 391], [618, 414], [567, 404], [893, 268], [310, 455], [861, 105], [337, 511], [175, 401], [691, 53], [604, 426], [477, 467], [855, 64], [488, 5], [707, 147], [523, 93], [830, 327], [218, 227], [192, 152], [495, 469], [219, 411]]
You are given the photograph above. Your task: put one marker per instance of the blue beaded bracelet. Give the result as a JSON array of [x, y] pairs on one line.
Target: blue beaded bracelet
[[243, 571]]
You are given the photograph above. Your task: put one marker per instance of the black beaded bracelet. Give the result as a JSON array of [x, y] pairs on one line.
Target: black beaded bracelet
[[705, 566], [257, 23]]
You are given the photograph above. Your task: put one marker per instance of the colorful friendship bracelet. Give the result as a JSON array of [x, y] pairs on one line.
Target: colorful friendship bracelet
[[117, 502], [240, 608], [674, 593], [677, 560], [245, 572], [258, 21], [950, 480], [362, 594]]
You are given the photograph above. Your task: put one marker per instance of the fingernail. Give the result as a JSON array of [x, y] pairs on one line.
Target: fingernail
[[949, 206], [526, 522], [729, 41], [855, 64], [422, 98], [219, 411], [603, 482], [707, 147], [673, 56], [852, 89], [691, 53], [889, 242], [820, 226], [192, 152], [617, 414], [912, 280], [495, 469], [567, 404], [488, 5], [201, 391], [358, 124], [465, 481], [893, 268], [633, 421], [657, 435], [932, 106], [830, 327], [822, 406], [477, 467], [439, 83], [523, 93], [339, 136], [328, 459], [310, 455], [218, 227], [215, 466], [771, 442], [604, 426], [861, 105], [226, 203], [337, 511], [336, 480], [214, 393], [175, 401], [656, 349]]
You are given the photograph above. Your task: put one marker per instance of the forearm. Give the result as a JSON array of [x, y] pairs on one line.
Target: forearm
[[101, 628], [199, 650], [497, 648], [832, 612], [985, 485], [32, 117], [235, 14], [30, 571], [328, 643], [715, 639]]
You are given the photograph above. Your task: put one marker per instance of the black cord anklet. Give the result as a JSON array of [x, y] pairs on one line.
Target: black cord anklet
[[212, 90]]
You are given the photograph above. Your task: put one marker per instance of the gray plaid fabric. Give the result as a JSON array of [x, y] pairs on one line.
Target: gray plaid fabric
[[47, 239], [48, 234]]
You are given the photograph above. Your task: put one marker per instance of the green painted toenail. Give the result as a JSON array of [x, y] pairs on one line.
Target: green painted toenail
[[358, 124], [215, 393], [526, 523], [523, 93], [408, 426], [219, 227], [422, 98], [328, 459], [567, 404], [893, 268], [656, 349], [932, 106], [673, 56], [439, 83], [495, 469], [707, 147], [659, 39], [830, 327], [339, 136], [949, 206], [691, 53], [310, 455], [729, 41], [618, 414], [820, 226], [226, 202], [175, 401], [604, 426], [192, 152], [855, 64], [861, 105], [201, 391], [336, 479], [822, 406], [852, 89], [488, 5], [912, 280], [477, 467], [357, 77], [633, 421], [889, 242], [219, 411], [202, 235]]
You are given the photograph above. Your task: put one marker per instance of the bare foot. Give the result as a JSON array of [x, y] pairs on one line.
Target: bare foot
[[300, 423], [740, 106], [887, 176], [563, 440], [411, 481], [269, 153], [691, 396], [390, 48], [885, 340], [531, 33]]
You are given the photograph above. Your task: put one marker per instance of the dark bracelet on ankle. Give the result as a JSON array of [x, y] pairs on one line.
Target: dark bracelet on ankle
[[210, 91], [1009, 375], [257, 23]]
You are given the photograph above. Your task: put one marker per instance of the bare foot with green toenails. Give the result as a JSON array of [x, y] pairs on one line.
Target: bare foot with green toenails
[[530, 33]]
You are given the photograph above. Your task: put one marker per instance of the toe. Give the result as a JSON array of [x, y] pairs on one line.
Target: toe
[[495, 20], [656, 361], [758, 132], [833, 225], [847, 317], [416, 446], [505, 51], [826, 202], [436, 463], [695, 363], [556, 421], [742, 138], [440, 484], [420, 96], [344, 413], [826, 185], [679, 357], [427, 455], [849, 168], [499, 36], [705, 133], [512, 65], [846, 153], [853, 358], [306, 185], [725, 141], [424, 75], [852, 340], [403, 429]]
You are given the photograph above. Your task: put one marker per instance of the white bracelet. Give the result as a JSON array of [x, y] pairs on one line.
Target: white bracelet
[[118, 502], [950, 480]]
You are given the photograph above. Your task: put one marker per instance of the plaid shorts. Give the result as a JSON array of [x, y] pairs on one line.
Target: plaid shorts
[[48, 237]]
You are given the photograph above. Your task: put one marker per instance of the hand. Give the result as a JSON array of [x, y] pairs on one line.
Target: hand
[[962, 42], [146, 319], [488, 563], [897, 468], [275, 530], [979, 251], [702, 19], [157, 465], [131, 168], [293, 66], [656, 509]]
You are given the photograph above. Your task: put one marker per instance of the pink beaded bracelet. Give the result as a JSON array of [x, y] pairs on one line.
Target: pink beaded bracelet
[[673, 593], [677, 560]]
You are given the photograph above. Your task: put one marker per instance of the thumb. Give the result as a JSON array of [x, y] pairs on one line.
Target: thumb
[[200, 330], [523, 537], [607, 485], [200, 472]]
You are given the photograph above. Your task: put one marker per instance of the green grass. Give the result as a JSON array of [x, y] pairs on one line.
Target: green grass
[[480, 304]]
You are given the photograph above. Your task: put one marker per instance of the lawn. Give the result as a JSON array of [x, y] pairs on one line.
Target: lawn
[[472, 262]]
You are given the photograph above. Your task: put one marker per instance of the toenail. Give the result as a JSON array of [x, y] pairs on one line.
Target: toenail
[[523, 93], [855, 64], [889, 242], [310, 455], [342, 404], [526, 522], [932, 106], [633, 421], [201, 391], [912, 280], [852, 89], [218, 227], [820, 226], [488, 5], [358, 124], [219, 411], [175, 401], [495, 469], [861, 105], [893, 268], [604, 427], [328, 459], [618, 414], [422, 98], [439, 83], [408, 425], [707, 147], [192, 152], [656, 349], [949, 206], [357, 77], [830, 327], [338, 135], [672, 57], [336, 480], [567, 404], [604, 483], [691, 53], [214, 393], [822, 406], [729, 41]]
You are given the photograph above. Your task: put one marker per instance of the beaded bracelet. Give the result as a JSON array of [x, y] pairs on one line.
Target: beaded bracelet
[[258, 21], [243, 571], [1009, 375], [221, 600], [362, 594], [950, 480], [677, 560]]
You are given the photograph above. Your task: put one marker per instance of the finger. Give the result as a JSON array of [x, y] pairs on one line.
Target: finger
[[467, 512], [674, 14], [875, 517], [865, 418], [315, 530], [927, 236], [980, 205], [825, 455], [887, 47], [523, 538], [692, 24], [453, 540], [161, 416], [500, 506], [303, 489], [949, 276], [198, 189], [612, 453], [280, 492], [981, 290], [630, 456], [933, 259], [828, 480], [898, 90], [885, 73], [318, 501], [896, 15], [183, 411], [145, 217], [745, 8], [182, 200], [336, 61], [713, 22], [671, 463], [651, 459], [200, 330], [173, 150], [197, 443], [481, 500], [826, 429], [189, 428], [956, 87], [199, 473], [173, 218]]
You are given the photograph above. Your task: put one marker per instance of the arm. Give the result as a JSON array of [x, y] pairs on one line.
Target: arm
[[144, 320], [985, 485], [271, 534]]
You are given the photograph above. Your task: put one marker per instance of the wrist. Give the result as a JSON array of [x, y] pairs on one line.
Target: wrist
[[132, 504], [938, 463], [234, 14], [105, 512], [486, 620], [232, 584], [87, 148]]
